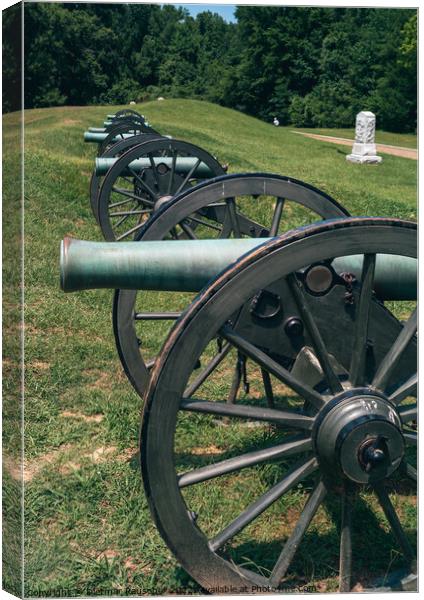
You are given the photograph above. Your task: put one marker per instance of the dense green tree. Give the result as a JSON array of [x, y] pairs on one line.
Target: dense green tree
[[309, 66], [12, 51]]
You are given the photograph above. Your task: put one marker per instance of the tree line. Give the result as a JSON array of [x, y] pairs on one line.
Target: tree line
[[311, 67]]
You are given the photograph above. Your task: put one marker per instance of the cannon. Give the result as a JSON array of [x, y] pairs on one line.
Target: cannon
[[307, 309], [143, 178], [124, 112], [117, 132], [108, 126], [122, 125]]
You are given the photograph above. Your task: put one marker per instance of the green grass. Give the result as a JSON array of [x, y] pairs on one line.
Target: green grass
[[405, 140], [88, 528]]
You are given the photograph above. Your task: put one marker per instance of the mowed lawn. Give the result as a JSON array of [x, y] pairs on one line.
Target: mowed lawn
[[87, 525]]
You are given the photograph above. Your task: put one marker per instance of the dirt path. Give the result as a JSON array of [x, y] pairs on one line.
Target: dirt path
[[384, 148]]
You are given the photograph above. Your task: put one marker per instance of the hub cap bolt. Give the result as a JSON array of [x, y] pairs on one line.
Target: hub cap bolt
[[374, 454]]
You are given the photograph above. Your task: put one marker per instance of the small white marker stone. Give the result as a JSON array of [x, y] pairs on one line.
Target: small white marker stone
[[364, 149]]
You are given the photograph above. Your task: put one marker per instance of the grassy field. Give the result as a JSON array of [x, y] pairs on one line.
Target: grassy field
[[87, 526], [404, 140]]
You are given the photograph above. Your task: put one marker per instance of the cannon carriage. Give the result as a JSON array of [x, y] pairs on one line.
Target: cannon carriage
[[341, 374]]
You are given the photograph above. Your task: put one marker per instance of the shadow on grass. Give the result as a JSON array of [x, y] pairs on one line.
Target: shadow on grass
[[377, 559]]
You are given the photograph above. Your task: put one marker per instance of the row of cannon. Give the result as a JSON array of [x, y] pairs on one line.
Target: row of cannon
[[293, 294]]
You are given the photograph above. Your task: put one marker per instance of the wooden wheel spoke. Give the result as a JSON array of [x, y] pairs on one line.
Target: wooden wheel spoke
[[268, 364], [298, 472], [359, 350], [205, 223], [130, 212], [391, 360], [232, 212], [295, 445], [121, 220], [153, 167], [173, 167], [187, 178], [393, 519], [345, 562], [276, 217], [409, 388], [408, 413], [313, 503], [131, 195], [208, 370], [188, 230], [129, 232], [129, 181], [142, 182], [115, 204], [317, 341], [243, 411]]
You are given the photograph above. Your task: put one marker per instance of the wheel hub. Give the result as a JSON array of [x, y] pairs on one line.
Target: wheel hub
[[358, 436]]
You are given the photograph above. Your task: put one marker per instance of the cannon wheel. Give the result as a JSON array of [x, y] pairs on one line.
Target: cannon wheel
[[224, 551], [116, 133], [130, 121], [126, 112], [115, 149], [125, 202], [125, 120], [215, 203]]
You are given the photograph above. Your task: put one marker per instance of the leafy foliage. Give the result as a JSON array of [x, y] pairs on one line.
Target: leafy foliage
[[310, 66]]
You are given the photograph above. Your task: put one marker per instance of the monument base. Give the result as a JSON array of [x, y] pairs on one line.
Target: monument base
[[364, 158]]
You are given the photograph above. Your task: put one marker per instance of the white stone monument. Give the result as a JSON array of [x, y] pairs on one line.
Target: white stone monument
[[364, 149]]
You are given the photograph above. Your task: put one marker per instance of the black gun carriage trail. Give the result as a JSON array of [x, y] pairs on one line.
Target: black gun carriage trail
[[335, 369]]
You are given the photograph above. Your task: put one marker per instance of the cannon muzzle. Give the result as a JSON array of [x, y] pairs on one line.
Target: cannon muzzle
[[187, 265], [183, 165]]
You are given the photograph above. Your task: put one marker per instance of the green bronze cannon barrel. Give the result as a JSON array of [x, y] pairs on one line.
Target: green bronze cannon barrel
[[187, 266], [98, 138], [96, 129], [184, 164]]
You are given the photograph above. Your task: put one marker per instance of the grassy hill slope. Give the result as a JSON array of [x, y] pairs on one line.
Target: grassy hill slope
[[87, 524]]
